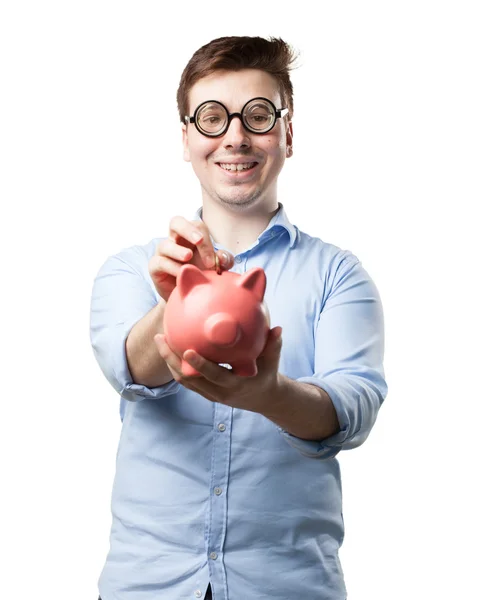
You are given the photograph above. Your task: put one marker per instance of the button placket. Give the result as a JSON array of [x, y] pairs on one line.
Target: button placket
[[220, 468]]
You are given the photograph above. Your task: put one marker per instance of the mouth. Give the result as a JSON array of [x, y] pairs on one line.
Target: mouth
[[238, 170]]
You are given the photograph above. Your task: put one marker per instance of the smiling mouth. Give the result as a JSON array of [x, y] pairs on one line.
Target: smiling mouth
[[238, 168]]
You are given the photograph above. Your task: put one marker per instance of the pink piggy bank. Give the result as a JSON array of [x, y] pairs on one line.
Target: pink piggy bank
[[221, 316]]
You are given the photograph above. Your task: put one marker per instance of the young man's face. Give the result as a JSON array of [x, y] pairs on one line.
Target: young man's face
[[238, 189]]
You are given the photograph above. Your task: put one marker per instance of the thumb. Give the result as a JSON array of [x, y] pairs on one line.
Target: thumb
[[227, 260], [273, 344]]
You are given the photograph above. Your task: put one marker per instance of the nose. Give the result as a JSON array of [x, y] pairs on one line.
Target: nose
[[236, 136], [221, 329]]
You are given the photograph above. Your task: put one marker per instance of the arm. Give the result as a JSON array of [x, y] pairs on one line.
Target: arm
[[123, 302], [348, 368], [146, 365], [304, 410], [126, 312]]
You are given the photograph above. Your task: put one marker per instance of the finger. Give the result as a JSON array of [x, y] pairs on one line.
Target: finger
[[171, 249], [161, 268], [227, 260], [273, 344], [277, 333], [174, 362], [196, 233], [172, 359], [205, 246], [188, 230], [210, 370]]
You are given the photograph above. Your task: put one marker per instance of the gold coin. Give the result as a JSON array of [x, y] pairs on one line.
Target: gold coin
[[217, 264]]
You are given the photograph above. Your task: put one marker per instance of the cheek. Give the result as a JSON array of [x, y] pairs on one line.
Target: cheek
[[276, 147], [199, 145], [276, 144], [202, 149]]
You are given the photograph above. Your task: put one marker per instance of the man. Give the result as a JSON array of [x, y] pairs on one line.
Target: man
[[227, 486]]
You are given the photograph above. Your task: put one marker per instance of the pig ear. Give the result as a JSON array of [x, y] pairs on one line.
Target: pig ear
[[254, 280], [189, 277]]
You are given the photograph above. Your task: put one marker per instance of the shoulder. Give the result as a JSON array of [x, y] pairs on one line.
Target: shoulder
[[139, 253], [133, 258], [329, 258]]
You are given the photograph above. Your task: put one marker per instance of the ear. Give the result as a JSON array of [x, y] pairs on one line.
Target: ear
[[186, 149], [254, 280], [289, 140], [189, 277]]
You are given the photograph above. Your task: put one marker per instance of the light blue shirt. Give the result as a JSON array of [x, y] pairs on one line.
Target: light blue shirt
[[204, 492]]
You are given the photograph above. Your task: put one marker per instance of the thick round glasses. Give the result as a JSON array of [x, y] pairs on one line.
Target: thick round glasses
[[258, 115]]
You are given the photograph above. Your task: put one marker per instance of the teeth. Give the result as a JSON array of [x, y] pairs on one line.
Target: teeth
[[240, 167]]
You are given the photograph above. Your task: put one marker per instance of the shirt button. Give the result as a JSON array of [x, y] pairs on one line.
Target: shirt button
[[218, 491], [213, 556], [238, 259], [198, 593], [221, 426]]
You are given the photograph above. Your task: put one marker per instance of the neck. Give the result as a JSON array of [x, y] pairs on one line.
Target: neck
[[237, 228]]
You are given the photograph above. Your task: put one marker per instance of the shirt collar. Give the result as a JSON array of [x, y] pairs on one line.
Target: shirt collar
[[279, 221]]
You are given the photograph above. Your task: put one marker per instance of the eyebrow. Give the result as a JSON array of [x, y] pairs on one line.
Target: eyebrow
[[258, 98]]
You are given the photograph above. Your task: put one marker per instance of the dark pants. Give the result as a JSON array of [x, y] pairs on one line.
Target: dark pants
[[208, 595]]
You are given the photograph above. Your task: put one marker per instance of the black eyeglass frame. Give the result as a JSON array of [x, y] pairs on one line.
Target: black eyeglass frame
[[278, 114]]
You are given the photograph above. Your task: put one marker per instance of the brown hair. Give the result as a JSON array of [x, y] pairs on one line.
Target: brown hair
[[235, 53]]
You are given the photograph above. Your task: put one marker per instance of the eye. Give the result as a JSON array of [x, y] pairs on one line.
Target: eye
[[211, 120]]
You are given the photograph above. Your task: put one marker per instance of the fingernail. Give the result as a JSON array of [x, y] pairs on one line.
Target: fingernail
[[196, 237]]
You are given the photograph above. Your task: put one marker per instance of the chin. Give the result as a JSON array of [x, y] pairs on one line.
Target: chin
[[240, 201]]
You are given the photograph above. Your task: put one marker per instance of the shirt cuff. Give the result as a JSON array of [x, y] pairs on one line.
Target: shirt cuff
[[348, 410], [134, 392], [123, 381]]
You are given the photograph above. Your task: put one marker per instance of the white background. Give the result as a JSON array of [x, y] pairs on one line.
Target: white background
[[385, 164]]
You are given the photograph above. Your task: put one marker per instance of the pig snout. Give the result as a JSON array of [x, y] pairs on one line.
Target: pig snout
[[221, 329]]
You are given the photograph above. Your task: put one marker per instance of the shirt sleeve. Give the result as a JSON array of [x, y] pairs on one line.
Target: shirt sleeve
[[122, 296], [348, 361]]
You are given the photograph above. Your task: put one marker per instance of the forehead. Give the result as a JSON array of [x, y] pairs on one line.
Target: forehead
[[234, 88]]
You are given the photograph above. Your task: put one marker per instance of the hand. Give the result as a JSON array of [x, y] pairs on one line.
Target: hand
[[219, 384], [180, 247]]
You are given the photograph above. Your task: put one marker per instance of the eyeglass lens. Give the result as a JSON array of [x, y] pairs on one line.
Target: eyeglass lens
[[258, 115]]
